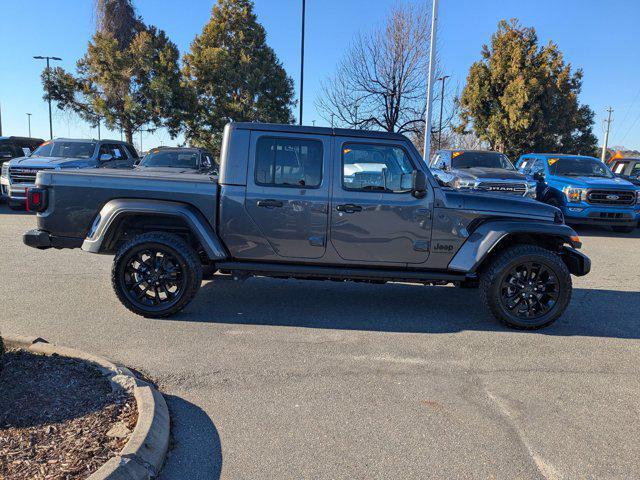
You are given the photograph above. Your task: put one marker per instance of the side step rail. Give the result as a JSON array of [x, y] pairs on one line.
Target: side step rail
[[343, 273]]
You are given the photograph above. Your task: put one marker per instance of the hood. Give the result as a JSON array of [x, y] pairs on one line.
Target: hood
[[595, 182], [167, 169], [51, 162], [495, 173], [503, 205]]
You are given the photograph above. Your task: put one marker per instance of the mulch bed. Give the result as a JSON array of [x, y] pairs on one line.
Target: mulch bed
[[55, 413]]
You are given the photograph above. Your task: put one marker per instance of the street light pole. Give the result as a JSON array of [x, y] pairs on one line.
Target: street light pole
[[29, 121], [606, 135], [302, 64], [432, 49], [39, 57], [441, 103]]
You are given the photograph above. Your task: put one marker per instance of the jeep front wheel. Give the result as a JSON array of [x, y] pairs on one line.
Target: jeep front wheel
[[526, 287], [156, 274]]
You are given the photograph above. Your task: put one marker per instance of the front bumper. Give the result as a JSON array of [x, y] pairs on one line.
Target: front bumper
[[42, 240], [601, 216]]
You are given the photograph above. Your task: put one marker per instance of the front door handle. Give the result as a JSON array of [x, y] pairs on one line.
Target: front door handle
[[349, 208], [269, 203]]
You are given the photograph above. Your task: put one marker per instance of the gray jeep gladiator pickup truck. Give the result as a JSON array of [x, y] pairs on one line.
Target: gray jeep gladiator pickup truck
[[310, 203]]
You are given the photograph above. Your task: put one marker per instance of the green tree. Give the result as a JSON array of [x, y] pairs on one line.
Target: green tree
[[233, 75], [521, 97], [128, 78]]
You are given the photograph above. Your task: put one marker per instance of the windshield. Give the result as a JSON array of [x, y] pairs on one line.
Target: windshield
[[170, 158], [578, 167], [480, 159], [65, 150]]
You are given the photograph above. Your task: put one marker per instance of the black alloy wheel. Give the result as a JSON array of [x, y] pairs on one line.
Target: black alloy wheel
[[156, 274], [529, 290], [526, 286]]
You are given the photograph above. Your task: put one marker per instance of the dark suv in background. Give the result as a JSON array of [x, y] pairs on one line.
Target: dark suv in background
[[481, 170], [63, 154], [178, 160]]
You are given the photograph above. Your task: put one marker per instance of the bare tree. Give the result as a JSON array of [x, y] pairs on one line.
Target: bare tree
[[382, 81]]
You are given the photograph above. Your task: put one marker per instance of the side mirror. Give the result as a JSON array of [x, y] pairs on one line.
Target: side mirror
[[105, 157], [419, 184]]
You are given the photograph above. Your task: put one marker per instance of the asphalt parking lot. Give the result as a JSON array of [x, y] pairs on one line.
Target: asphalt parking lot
[[287, 379]]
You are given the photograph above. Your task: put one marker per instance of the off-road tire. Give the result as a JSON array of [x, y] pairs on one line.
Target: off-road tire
[[622, 229], [175, 246], [491, 284]]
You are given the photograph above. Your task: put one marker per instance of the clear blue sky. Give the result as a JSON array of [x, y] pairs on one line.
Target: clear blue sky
[[600, 37]]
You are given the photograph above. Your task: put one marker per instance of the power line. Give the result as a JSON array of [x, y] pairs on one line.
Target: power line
[[624, 119]]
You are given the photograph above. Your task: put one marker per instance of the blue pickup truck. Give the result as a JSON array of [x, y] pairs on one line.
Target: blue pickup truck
[[584, 189]]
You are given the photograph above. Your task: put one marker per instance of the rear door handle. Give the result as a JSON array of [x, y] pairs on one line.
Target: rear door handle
[[269, 203], [349, 208]]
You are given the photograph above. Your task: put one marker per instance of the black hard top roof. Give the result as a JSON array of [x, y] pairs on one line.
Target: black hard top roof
[[347, 132]]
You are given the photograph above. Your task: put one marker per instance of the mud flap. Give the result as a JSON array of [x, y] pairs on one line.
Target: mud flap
[[577, 263]]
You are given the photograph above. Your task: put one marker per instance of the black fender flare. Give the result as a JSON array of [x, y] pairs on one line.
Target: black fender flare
[[489, 234], [114, 210]]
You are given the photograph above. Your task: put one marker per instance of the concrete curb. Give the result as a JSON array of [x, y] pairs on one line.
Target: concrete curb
[[143, 455]]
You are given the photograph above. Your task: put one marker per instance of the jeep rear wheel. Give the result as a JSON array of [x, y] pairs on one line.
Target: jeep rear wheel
[[526, 287], [156, 274]]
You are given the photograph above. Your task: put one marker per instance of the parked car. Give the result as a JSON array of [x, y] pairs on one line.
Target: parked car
[[481, 170], [627, 168], [14, 147], [178, 160], [584, 189], [288, 203], [63, 154]]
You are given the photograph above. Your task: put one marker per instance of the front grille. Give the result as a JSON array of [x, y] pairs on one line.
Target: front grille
[[611, 197], [23, 175], [503, 187]]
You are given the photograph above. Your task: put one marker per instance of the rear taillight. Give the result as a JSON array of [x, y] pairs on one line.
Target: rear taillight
[[36, 199]]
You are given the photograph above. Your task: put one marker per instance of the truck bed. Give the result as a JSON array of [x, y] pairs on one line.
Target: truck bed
[[79, 194]]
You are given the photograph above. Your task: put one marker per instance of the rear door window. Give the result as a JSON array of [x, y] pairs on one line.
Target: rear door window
[[288, 162]]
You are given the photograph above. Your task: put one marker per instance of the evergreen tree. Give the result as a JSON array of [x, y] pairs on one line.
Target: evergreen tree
[[521, 97], [128, 78], [232, 74]]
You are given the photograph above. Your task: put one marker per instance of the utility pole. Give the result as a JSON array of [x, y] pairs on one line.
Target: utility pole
[[432, 51], [606, 135], [302, 63], [39, 57], [441, 103], [98, 129], [29, 121]]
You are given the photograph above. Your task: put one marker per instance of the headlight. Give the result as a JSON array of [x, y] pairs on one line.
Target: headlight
[[5, 170], [531, 190], [637, 197], [575, 195]]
